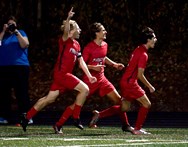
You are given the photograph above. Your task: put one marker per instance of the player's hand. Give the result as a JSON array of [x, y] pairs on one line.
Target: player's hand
[[151, 89], [119, 66], [71, 13], [98, 67], [92, 79]]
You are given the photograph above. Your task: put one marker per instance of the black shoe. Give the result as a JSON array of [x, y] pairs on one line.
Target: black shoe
[[24, 122], [58, 130], [78, 124], [126, 128]]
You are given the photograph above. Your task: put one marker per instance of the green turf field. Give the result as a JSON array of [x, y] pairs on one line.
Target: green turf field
[[42, 136]]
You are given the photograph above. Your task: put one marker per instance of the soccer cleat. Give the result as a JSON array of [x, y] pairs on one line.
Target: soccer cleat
[[94, 119], [30, 121], [3, 121], [78, 124], [58, 130], [126, 128], [140, 132], [24, 121]]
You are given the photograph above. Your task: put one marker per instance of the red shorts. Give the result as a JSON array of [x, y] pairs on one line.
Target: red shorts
[[131, 90], [102, 86], [64, 82]]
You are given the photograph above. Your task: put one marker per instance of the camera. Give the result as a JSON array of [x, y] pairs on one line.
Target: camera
[[11, 27]]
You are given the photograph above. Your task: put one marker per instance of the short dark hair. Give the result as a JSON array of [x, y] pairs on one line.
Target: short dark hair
[[12, 18], [147, 33], [94, 28]]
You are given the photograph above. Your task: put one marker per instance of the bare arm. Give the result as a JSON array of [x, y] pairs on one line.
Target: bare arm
[[118, 66], [86, 71], [96, 67], [67, 25], [3, 31], [143, 79], [23, 41]]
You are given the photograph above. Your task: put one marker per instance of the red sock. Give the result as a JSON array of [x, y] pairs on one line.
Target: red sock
[[66, 114], [141, 117], [31, 113], [76, 111], [109, 112], [124, 118]]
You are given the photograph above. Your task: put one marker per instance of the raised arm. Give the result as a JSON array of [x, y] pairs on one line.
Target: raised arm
[[67, 25], [23, 40]]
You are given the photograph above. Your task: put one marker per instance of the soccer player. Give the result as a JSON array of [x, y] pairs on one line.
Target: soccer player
[[95, 56], [63, 79], [130, 90]]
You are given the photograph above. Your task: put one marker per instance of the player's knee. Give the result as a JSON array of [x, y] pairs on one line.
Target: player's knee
[[124, 107], [117, 102], [86, 90], [147, 105]]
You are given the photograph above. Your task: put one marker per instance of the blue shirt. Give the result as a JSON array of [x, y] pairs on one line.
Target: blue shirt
[[11, 52]]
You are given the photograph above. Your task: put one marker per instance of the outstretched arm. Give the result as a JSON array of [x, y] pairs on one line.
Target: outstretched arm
[[118, 66]]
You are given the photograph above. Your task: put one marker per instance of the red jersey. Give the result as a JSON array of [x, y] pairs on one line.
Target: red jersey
[[68, 53], [94, 54], [138, 59]]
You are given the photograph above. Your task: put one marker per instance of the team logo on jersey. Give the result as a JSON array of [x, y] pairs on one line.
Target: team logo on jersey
[[98, 60], [74, 52]]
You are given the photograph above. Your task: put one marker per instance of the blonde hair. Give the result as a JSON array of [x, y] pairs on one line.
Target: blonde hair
[[72, 25]]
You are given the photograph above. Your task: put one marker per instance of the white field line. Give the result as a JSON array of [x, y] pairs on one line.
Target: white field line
[[14, 138], [130, 144], [146, 141]]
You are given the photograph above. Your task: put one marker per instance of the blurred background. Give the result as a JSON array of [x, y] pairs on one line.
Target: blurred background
[[167, 68]]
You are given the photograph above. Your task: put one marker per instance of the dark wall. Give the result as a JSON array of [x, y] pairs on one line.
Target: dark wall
[[168, 63]]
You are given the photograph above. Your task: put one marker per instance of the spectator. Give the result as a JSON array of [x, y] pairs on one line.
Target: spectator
[[14, 69]]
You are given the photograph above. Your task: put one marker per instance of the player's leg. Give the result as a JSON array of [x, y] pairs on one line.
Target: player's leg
[[64, 117], [83, 90], [142, 114], [72, 82], [106, 88], [40, 104], [125, 106], [116, 110]]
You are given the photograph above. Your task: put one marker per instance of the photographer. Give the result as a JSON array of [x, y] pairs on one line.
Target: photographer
[[14, 69]]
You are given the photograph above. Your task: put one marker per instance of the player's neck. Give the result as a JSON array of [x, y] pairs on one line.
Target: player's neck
[[98, 42]]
